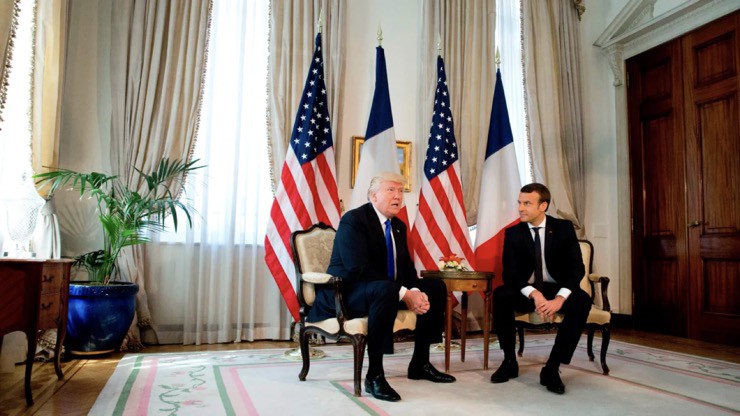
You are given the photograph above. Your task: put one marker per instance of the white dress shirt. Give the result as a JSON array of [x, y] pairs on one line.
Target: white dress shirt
[[527, 290], [382, 218]]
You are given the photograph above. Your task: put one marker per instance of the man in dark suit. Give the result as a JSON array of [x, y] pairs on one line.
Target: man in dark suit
[[547, 287], [371, 256]]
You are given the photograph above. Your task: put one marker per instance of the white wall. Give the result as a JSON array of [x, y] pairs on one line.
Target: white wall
[[600, 149]]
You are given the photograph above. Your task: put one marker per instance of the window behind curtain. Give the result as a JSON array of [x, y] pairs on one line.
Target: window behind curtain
[[15, 130], [509, 42], [232, 195]]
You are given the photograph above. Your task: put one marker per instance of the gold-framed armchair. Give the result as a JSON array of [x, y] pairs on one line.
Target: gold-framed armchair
[[599, 318], [311, 254]]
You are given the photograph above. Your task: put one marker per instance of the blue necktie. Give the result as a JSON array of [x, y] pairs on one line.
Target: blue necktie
[[389, 250]]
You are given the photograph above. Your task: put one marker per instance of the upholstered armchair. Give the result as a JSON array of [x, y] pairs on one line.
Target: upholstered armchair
[[598, 318], [311, 254]]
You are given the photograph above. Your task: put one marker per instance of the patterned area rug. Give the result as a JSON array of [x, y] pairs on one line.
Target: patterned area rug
[[643, 381]]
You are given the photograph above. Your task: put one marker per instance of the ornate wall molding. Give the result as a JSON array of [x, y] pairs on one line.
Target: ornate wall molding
[[635, 29]]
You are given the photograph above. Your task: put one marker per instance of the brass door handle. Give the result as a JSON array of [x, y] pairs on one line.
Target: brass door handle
[[693, 224]]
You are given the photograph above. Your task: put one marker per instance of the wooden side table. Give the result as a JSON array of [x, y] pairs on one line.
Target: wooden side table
[[464, 281], [34, 298]]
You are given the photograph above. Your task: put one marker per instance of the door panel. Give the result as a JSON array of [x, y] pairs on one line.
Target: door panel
[[712, 59], [684, 115], [656, 123]]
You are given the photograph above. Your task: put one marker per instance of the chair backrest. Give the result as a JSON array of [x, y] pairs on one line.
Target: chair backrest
[[587, 251], [311, 253]]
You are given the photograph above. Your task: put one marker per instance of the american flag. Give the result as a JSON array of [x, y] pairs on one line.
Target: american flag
[[440, 228], [497, 209], [307, 192]]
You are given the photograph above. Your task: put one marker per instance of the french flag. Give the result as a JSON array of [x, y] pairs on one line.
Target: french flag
[[378, 152], [500, 184]]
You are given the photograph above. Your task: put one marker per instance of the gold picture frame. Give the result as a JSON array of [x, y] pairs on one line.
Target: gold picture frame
[[403, 153]]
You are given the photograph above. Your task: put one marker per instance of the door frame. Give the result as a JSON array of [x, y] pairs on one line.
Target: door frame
[[634, 30]]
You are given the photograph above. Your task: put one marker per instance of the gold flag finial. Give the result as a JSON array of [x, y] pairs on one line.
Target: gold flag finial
[[380, 35], [439, 44], [497, 59], [320, 22]]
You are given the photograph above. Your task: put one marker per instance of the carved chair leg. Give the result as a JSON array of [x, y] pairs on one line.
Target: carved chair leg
[[520, 331], [358, 344], [605, 337], [590, 343], [305, 353]]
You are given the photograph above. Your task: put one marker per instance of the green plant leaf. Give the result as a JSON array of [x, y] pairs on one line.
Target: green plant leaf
[[126, 215]]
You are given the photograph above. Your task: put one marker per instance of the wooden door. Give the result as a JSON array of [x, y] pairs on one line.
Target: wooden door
[[684, 116], [711, 82], [657, 150]]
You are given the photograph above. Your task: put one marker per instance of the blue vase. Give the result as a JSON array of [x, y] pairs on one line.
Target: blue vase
[[99, 316]]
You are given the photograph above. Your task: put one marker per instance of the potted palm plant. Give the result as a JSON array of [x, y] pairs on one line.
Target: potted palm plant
[[101, 309]]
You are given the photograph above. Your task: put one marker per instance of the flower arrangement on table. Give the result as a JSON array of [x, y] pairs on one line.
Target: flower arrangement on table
[[452, 262]]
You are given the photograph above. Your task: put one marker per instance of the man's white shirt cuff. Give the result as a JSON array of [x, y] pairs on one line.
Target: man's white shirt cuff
[[403, 290]]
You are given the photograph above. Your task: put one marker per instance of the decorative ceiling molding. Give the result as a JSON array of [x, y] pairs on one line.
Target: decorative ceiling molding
[[634, 30]]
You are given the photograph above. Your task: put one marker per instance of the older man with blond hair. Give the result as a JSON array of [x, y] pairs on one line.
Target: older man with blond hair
[[371, 256]]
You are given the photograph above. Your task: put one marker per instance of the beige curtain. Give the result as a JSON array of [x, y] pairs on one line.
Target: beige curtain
[[8, 13], [467, 31], [158, 59], [553, 94], [51, 46], [293, 26], [50, 49]]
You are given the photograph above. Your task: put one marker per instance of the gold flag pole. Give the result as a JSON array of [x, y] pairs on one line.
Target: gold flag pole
[[314, 353], [454, 345]]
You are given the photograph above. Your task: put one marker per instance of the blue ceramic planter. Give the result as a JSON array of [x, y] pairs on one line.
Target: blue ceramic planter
[[99, 317]]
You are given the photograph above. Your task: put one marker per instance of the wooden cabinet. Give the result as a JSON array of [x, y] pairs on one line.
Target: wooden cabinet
[[34, 298]]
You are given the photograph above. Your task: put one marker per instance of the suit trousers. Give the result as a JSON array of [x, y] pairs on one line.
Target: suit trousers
[[575, 310], [378, 300]]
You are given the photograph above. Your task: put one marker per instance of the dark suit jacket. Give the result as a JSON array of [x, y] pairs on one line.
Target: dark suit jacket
[[359, 254], [562, 254]]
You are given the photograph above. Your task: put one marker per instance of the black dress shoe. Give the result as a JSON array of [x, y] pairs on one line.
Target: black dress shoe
[[428, 372], [380, 389], [551, 379], [508, 369]]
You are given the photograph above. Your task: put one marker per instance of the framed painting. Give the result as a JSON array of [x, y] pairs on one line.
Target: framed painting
[[403, 155]]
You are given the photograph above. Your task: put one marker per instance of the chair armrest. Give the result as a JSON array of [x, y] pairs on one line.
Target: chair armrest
[[339, 307], [596, 278], [604, 284], [317, 278]]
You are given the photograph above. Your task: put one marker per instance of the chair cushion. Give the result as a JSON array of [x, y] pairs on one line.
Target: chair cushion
[[404, 320], [316, 277], [330, 325], [586, 254], [597, 316], [309, 292], [534, 319], [314, 249]]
